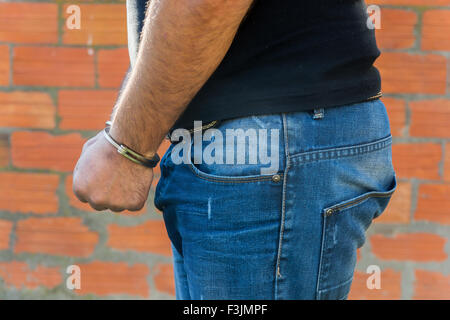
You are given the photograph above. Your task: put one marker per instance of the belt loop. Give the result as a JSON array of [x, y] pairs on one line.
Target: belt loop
[[319, 113]]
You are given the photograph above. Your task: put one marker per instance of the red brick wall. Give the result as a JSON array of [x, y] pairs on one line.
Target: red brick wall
[[57, 87], [410, 240]]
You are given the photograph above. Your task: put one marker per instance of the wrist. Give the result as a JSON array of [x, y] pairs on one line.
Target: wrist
[[127, 152], [119, 136]]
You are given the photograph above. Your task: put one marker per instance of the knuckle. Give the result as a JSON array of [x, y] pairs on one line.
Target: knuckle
[[116, 209], [97, 200], [79, 192], [97, 207], [116, 206], [76, 187], [136, 206], [96, 204]]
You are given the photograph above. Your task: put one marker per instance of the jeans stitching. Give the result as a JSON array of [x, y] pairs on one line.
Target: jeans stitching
[[361, 199], [283, 204], [342, 152], [232, 179], [322, 248], [324, 251], [337, 286]]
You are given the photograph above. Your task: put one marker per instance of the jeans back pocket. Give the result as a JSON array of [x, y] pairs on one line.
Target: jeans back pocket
[[344, 227]]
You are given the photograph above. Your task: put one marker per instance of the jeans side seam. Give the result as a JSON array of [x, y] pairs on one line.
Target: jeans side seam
[[283, 205]]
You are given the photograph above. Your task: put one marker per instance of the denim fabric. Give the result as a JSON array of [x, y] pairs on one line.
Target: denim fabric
[[239, 233]]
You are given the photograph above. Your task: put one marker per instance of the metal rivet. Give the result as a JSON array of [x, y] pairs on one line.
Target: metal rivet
[[276, 178], [328, 212]]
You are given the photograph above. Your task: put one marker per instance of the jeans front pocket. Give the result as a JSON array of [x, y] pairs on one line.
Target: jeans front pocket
[[344, 227], [245, 149]]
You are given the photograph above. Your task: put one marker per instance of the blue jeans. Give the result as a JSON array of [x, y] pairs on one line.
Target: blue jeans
[[239, 232]]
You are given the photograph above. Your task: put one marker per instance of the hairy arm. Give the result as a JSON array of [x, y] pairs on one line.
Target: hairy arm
[[182, 43]]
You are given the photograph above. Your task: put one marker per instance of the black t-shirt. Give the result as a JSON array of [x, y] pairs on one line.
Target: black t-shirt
[[291, 55]]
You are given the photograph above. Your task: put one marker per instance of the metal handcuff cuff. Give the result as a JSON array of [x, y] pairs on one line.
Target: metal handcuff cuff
[[129, 153]]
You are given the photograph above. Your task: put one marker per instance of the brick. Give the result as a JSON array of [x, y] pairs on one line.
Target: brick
[[22, 109], [430, 118], [110, 278], [101, 24], [447, 162], [164, 278], [417, 160], [4, 65], [433, 203], [409, 73], [397, 29], [29, 22], [399, 207], [5, 233], [57, 67], [112, 66], [74, 202], [150, 236], [396, 109], [435, 30], [419, 247], [4, 150], [28, 192], [85, 109], [390, 286], [61, 236], [19, 275], [431, 285], [45, 151]]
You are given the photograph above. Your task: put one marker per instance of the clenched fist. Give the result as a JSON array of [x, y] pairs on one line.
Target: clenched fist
[[107, 180]]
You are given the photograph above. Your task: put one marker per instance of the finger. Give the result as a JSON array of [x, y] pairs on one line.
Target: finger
[[136, 207], [82, 199], [97, 207], [116, 209], [80, 195]]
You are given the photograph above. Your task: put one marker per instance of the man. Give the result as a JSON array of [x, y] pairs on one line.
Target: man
[[283, 206]]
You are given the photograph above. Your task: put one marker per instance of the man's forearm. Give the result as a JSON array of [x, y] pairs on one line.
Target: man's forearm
[[183, 42]]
